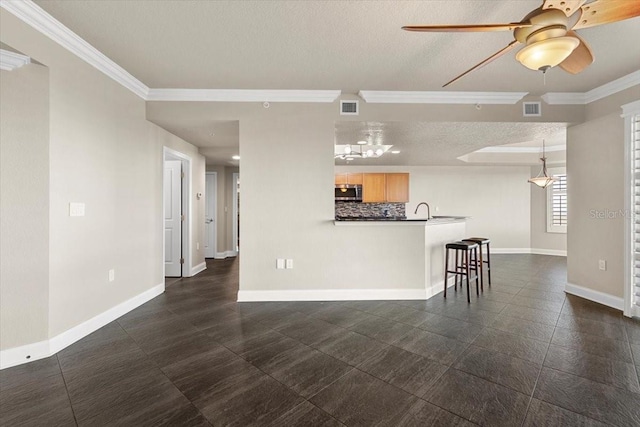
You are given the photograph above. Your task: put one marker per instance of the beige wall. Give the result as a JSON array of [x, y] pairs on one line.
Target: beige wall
[[104, 153], [495, 197], [540, 238], [595, 171], [24, 201], [595, 158]]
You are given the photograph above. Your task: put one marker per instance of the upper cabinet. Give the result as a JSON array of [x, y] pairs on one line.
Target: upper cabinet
[[374, 188], [348, 178], [378, 187], [397, 186]]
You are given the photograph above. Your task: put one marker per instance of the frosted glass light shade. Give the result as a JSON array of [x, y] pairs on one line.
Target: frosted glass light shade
[[547, 53], [542, 181]]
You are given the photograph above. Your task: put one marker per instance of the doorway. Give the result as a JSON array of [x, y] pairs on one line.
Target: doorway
[[236, 213], [176, 214], [210, 215]]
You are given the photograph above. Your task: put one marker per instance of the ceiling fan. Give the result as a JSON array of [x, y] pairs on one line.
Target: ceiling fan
[[549, 33]]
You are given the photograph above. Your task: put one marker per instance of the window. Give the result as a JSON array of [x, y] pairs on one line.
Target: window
[[557, 202]]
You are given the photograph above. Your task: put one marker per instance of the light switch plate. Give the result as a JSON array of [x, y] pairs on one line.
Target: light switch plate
[[289, 263], [280, 263], [112, 275], [76, 209], [602, 265]]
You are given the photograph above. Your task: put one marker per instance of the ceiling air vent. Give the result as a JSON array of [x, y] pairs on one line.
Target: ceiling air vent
[[531, 109], [348, 108]]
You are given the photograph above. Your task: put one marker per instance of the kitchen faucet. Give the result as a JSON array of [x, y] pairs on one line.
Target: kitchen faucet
[[428, 209]]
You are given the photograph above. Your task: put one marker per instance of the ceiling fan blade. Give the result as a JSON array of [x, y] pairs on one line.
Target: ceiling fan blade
[[466, 28], [569, 7], [606, 11], [486, 61], [580, 58]]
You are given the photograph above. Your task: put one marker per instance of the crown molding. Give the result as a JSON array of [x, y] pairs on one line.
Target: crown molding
[[582, 98], [38, 18], [242, 95], [564, 98], [9, 61], [440, 97]]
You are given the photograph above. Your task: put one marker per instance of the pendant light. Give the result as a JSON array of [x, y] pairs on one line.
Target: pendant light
[[543, 180]]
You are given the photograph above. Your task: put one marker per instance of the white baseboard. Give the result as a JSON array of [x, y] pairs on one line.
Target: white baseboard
[[534, 251], [331, 295], [24, 354], [502, 251], [31, 352], [595, 296], [438, 287], [227, 254], [198, 269], [553, 252]]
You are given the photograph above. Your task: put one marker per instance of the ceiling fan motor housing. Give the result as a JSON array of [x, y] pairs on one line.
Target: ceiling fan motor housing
[[545, 24]]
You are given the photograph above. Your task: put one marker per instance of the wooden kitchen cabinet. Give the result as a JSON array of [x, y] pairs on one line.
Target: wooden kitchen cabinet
[[348, 178], [397, 187], [374, 187]]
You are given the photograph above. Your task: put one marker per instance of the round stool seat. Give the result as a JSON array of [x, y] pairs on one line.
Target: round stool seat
[[461, 245], [478, 240]]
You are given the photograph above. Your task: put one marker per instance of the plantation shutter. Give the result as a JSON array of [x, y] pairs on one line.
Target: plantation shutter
[[635, 134], [559, 201]]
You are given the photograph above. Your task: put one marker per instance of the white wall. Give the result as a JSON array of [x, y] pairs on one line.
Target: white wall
[[104, 153], [496, 198], [24, 200], [541, 240]]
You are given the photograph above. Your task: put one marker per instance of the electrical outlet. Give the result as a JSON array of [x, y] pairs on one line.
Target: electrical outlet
[[289, 263], [437, 208], [76, 209], [112, 275], [602, 265], [280, 264], [197, 246]]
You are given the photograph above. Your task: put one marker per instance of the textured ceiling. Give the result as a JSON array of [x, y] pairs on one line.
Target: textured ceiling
[[347, 45], [441, 143]]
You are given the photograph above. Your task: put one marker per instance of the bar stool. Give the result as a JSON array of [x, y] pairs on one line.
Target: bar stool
[[464, 251], [482, 241]]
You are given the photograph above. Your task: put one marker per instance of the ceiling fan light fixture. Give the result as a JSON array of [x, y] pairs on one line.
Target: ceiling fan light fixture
[[547, 53]]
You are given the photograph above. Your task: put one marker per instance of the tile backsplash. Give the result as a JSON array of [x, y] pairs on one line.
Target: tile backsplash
[[382, 210]]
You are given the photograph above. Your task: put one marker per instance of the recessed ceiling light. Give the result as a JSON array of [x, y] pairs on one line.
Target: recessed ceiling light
[[212, 134], [395, 152], [236, 157]]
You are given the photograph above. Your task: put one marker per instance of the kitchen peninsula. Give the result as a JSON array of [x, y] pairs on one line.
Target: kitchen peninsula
[[428, 236]]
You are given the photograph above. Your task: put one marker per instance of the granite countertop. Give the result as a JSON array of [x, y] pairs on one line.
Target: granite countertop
[[400, 219]]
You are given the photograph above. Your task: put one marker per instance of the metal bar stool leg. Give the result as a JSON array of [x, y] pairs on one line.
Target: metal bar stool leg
[[455, 267]]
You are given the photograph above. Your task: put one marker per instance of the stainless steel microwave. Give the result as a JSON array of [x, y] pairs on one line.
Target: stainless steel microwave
[[348, 193]]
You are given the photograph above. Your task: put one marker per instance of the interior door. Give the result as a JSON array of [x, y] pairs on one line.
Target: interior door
[[172, 218], [210, 215]]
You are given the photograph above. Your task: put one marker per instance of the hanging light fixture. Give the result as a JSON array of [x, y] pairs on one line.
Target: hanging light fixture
[[543, 180]]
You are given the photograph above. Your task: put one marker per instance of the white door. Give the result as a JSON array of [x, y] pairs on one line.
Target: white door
[[210, 215], [172, 218]]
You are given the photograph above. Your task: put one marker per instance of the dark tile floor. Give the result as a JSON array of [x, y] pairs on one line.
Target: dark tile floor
[[523, 353]]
